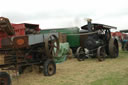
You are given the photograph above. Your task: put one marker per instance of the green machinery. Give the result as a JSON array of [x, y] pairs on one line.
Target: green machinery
[[72, 39]]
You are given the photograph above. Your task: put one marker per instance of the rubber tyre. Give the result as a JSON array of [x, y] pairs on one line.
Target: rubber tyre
[[49, 67], [6, 76]]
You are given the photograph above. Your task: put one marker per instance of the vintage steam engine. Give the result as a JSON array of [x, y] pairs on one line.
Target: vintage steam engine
[[97, 39], [97, 42]]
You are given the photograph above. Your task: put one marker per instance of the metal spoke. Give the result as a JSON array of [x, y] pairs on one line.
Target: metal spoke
[[51, 49], [51, 44]]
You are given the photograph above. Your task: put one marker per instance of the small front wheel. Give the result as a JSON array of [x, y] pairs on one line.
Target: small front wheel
[[80, 54], [49, 67], [101, 53]]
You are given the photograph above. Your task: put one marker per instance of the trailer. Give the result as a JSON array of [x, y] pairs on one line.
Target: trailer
[[23, 45]]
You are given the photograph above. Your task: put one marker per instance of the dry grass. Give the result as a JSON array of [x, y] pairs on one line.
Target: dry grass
[[88, 72]]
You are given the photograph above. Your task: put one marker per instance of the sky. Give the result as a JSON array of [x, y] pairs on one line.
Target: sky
[[66, 13]]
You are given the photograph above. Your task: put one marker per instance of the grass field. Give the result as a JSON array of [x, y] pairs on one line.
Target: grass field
[[88, 72]]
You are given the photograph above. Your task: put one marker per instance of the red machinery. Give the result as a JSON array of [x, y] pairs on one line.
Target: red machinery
[[18, 28], [122, 36], [22, 45]]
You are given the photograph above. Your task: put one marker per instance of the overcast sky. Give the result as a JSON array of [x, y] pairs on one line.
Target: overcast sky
[[66, 13]]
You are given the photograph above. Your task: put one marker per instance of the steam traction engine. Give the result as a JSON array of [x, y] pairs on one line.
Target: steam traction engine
[[96, 41], [22, 45]]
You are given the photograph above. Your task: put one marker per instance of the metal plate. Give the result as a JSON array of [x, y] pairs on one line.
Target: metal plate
[[25, 44]]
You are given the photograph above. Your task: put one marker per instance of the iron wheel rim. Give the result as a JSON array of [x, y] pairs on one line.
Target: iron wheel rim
[[81, 54], [52, 43], [101, 53], [51, 69]]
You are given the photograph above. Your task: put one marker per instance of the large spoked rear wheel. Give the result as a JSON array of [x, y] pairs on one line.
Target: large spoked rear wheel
[[101, 53], [113, 48], [52, 46], [49, 67], [5, 78]]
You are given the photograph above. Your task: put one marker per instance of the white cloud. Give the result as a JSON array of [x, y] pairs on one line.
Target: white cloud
[[62, 13]]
